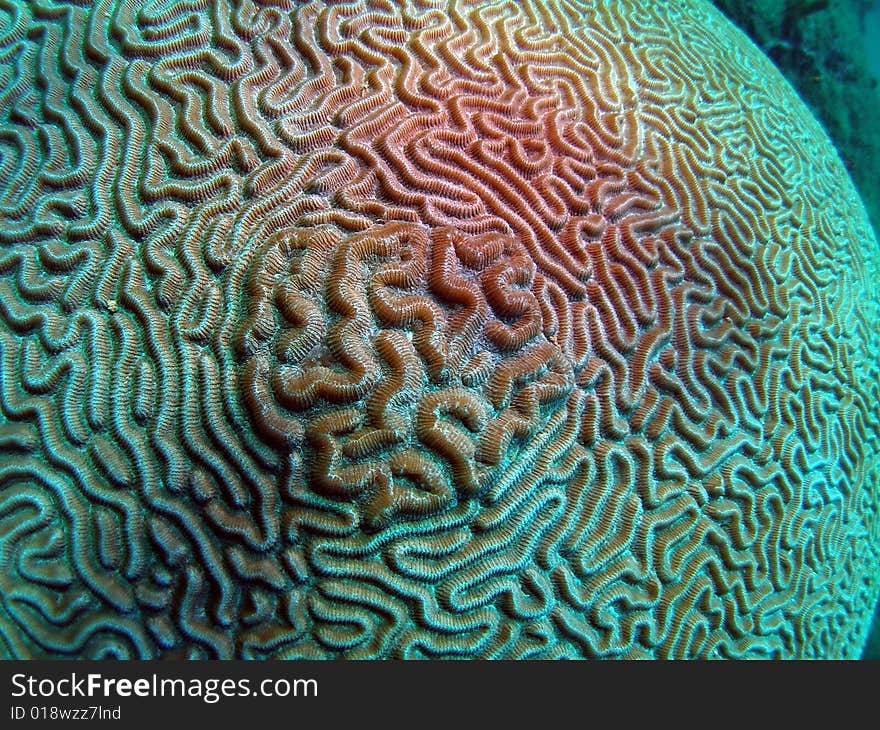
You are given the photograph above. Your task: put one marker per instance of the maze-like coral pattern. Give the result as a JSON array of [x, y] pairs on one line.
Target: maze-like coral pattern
[[427, 329]]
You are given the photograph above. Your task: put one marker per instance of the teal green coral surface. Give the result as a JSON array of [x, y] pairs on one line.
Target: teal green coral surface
[[830, 52], [437, 329]]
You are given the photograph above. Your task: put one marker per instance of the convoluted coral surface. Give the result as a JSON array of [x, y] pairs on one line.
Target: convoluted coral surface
[[502, 329]]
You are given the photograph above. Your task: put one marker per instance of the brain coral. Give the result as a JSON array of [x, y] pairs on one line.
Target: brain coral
[[433, 328]]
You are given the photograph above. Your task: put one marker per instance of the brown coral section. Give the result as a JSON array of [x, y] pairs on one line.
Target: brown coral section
[[401, 362]]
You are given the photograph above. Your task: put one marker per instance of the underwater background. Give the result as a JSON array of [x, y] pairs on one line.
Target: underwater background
[[830, 52]]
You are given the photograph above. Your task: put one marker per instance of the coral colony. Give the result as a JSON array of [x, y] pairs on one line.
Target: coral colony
[[427, 329]]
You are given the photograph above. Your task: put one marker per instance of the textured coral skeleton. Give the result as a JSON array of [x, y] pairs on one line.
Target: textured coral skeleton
[[427, 329]]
